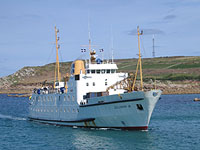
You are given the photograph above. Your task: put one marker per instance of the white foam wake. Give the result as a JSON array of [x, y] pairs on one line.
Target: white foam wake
[[11, 117]]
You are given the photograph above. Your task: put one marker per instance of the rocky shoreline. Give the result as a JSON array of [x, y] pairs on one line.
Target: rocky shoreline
[[168, 87], [174, 75]]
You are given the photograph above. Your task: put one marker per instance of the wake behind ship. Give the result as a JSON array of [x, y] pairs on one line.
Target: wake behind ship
[[95, 96]]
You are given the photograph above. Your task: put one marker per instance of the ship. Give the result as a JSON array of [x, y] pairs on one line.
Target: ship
[[95, 95]]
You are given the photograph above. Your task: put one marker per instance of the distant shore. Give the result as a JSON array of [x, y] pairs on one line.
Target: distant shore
[[173, 75], [168, 88]]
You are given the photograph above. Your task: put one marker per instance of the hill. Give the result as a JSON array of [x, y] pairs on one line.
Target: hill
[[170, 72]]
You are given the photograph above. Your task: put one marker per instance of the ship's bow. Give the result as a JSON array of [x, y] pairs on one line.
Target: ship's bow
[[151, 98]]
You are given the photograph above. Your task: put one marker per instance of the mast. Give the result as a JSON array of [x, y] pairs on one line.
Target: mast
[[139, 62], [57, 67]]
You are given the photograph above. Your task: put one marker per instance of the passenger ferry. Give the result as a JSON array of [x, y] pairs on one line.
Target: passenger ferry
[[96, 95]]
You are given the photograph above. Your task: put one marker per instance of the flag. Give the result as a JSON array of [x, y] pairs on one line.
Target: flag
[[83, 50], [101, 50]]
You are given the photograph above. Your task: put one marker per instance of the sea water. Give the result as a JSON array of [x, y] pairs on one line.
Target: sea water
[[175, 124]]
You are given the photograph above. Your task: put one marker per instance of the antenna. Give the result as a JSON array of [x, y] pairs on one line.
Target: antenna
[[89, 36], [153, 53], [112, 50]]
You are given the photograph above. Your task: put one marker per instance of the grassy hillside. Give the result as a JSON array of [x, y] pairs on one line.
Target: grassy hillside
[[162, 68], [165, 68]]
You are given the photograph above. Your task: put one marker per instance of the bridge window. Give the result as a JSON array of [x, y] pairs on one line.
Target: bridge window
[[98, 71], [93, 83], [107, 71], [87, 84], [88, 71], [103, 71], [93, 71], [113, 70]]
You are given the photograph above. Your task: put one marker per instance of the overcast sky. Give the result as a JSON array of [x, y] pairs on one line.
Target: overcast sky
[[27, 29]]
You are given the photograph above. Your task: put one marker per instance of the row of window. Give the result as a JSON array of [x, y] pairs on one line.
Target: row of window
[[51, 110], [87, 84], [103, 71], [50, 98]]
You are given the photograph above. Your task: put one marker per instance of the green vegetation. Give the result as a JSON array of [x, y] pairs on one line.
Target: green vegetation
[[174, 77], [163, 68]]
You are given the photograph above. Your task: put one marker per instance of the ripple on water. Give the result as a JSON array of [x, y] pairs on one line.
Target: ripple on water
[[174, 125]]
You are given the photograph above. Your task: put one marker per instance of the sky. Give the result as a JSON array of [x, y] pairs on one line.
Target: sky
[[27, 36]]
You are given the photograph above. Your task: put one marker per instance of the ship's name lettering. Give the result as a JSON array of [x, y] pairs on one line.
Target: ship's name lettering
[[123, 106]]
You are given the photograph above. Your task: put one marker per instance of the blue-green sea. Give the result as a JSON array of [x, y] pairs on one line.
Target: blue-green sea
[[175, 124]]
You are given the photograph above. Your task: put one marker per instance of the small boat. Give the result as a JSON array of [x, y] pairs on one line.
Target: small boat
[[196, 99], [18, 95]]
